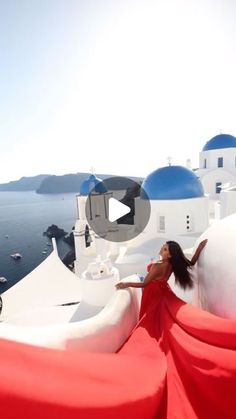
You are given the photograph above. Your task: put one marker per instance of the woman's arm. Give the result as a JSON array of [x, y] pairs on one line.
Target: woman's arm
[[157, 271], [198, 251]]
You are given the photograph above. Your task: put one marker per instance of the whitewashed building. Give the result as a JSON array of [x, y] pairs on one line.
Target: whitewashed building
[[217, 164], [227, 202], [179, 210], [178, 203], [93, 189]]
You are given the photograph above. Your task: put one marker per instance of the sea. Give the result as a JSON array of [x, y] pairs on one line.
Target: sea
[[24, 216]]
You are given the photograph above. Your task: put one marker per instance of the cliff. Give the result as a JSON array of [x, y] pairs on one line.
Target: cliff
[[71, 183], [24, 184], [51, 184], [61, 184]]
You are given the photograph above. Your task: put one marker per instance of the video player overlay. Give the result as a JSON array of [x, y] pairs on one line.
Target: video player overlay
[[117, 209]]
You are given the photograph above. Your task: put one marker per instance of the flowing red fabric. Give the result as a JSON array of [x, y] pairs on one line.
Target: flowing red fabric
[[179, 362]]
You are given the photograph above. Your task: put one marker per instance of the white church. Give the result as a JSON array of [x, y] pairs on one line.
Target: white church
[[217, 171], [217, 164]]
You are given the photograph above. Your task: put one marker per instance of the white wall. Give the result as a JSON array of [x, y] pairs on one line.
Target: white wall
[[227, 202], [228, 154], [81, 203], [216, 269], [97, 292], [213, 174], [105, 332], [175, 213], [210, 178]]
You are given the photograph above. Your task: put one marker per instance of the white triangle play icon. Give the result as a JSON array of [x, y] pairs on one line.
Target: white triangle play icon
[[117, 209]]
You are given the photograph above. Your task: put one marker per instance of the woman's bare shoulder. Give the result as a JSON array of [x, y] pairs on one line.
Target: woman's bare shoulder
[[161, 262], [160, 265], [159, 270]]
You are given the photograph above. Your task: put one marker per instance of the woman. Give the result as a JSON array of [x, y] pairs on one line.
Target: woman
[[172, 260]]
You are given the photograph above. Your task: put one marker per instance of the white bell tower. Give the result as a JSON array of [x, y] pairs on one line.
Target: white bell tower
[[97, 201]]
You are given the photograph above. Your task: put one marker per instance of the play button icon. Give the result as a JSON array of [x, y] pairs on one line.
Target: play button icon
[[117, 210]]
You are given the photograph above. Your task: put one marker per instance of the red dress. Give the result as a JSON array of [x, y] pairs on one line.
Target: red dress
[[152, 293], [178, 363]]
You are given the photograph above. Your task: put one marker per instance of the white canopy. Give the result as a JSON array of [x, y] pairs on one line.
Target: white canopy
[[50, 284]]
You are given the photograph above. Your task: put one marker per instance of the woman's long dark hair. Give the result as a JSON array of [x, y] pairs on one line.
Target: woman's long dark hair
[[180, 265]]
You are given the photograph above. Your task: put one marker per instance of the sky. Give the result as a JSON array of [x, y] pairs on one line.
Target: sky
[[117, 86]]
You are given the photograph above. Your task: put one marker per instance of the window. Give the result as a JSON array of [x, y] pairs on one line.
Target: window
[[218, 187], [220, 161], [205, 164], [87, 237], [189, 223], [161, 223]]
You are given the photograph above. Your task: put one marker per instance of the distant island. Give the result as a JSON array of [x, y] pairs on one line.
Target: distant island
[[52, 184], [24, 184]]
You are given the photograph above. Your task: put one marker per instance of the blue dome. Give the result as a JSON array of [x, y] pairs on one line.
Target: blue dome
[[92, 183], [171, 182], [220, 141]]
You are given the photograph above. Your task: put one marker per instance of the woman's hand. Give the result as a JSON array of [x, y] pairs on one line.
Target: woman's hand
[[122, 285], [203, 243], [198, 251]]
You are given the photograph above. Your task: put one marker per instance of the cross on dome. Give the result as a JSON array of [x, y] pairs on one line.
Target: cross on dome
[[169, 160]]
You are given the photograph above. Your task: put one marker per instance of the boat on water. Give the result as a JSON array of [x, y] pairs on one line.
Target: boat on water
[[49, 244], [16, 256], [3, 279]]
